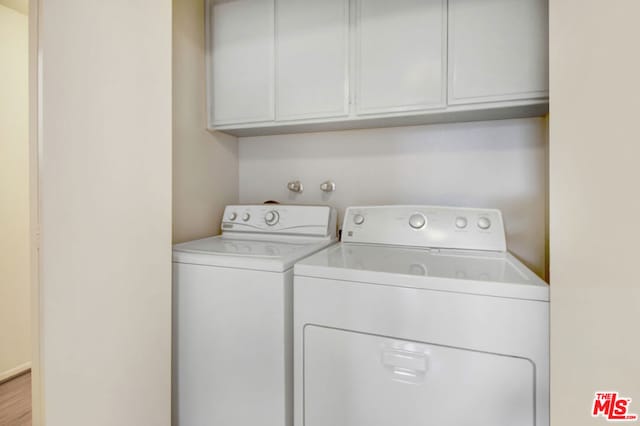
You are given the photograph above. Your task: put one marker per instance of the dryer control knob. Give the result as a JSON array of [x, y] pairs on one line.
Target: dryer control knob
[[246, 217], [272, 217], [461, 222], [417, 221], [484, 223], [358, 219], [233, 216]]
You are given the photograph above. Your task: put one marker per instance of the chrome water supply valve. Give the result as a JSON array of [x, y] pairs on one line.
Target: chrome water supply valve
[[328, 186], [295, 186]]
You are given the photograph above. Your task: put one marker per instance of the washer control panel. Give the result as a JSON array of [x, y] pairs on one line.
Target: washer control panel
[[319, 221], [426, 226]]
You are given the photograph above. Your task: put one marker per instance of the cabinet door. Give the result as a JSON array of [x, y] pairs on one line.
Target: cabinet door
[[242, 65], [498, 50], [312, 40], [400, 51]]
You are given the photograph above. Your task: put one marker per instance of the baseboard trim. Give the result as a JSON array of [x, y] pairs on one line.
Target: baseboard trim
[[14, 372]]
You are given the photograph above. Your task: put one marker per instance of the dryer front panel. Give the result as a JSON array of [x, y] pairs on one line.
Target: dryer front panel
[[358, 379]]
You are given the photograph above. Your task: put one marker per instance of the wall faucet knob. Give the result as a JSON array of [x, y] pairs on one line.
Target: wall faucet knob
[[328, 186], [295, 186]]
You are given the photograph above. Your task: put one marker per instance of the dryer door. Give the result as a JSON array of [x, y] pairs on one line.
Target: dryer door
[[356, 379]]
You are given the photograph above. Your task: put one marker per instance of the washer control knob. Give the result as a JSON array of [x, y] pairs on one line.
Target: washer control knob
[[233, 216], [272, 217], [246, 217], [484, 223], [358, 219], [461, 222], [417, 221]]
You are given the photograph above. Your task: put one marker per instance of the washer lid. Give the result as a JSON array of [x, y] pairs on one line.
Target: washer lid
[[461, 271], [247, 253]]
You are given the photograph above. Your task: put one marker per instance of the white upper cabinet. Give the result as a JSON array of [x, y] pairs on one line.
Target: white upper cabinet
[[312, 54], [286, 66], [400, 55], [242, 61], [498, 50]]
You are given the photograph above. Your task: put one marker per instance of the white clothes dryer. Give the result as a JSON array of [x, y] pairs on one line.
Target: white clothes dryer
[[232, 315], [420, 317]]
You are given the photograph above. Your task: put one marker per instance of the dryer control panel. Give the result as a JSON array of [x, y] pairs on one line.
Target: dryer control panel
[[426, 226], [314, 221]]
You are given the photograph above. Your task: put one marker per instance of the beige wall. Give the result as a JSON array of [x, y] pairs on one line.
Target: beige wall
[[105, 182], [14, 193], [594, 205], [205, 165], [21, 6], [462, 164]]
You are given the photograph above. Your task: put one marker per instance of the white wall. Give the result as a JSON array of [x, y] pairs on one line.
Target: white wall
[[15, 345], [105, 175], [205, 164], [594, 205], [500, 164]]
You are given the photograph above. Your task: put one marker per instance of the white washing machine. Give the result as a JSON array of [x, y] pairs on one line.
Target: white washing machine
[[232, 315], [420, 317]]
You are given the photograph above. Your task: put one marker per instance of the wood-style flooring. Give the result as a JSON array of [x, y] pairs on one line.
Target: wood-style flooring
[[15, 401]]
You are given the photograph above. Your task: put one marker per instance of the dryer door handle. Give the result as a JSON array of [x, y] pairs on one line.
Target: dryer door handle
[[405, 366]]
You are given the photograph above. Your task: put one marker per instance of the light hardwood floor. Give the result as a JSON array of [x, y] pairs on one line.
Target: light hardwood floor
[[15, 401]]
